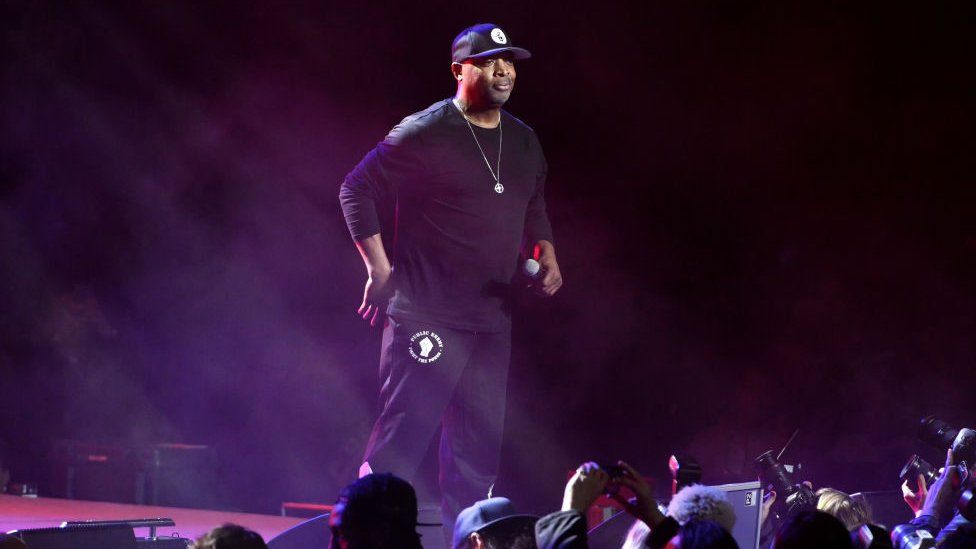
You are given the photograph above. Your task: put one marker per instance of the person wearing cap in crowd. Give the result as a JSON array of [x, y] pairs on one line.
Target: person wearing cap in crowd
[[468, 183], [377, 511], [493, 523]]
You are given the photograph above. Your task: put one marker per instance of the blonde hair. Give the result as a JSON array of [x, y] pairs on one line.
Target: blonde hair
[[851, 512]]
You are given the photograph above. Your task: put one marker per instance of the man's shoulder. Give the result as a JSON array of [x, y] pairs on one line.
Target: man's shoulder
[[421, 120], [414, 126], [517, 122], [518, 131]]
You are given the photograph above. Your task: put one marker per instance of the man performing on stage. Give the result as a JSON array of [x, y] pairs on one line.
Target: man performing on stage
[[468, 182]]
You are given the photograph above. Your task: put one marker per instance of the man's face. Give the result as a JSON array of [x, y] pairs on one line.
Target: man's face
[[488, 82]]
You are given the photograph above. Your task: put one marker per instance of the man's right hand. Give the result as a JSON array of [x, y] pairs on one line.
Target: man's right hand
[[584, 487], [379, 290], [915, 500], [379, 286]]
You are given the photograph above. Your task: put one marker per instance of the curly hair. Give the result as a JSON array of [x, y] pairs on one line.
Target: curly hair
[[699, 502]]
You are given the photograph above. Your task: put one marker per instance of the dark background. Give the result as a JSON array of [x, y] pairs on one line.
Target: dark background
[[764, 216]]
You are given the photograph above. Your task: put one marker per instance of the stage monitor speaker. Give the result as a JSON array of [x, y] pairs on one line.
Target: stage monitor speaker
[[163, 543], [314, 532], [98, 472], [75, 537]]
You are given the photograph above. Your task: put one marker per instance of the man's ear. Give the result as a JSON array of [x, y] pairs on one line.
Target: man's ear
[[475, 541], [456, 70]]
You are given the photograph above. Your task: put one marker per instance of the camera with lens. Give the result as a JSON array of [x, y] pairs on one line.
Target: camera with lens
[[941, 435], [795, 497], [909, 536], [917, 466], [615, 472]]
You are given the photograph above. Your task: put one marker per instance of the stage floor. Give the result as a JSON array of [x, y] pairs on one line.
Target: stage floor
[[19, 513]]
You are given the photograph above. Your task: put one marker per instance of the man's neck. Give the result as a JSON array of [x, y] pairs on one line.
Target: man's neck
[[486, 117]]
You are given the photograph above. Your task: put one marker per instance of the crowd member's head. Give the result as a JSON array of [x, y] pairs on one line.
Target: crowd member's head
[[230, 536], [849, 511], [698, 502], [703, 534], [493, 523], [812, 530], [375, 512]]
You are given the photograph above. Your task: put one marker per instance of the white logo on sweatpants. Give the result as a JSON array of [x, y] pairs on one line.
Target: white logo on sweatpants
[[426, 346]]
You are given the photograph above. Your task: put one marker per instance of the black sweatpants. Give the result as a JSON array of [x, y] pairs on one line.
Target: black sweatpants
[[431, 376]]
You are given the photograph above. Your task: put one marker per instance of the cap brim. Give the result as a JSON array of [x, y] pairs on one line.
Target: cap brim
[[509, 520], [517, 53]]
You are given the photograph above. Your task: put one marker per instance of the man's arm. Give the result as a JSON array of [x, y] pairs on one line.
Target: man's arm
[[359, 197], [538, 232], [561, 530], [379, 286], [566, 529], [372, 181], [936, 511]]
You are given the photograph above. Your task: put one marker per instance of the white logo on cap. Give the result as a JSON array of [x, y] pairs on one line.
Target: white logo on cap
[[498, 36]]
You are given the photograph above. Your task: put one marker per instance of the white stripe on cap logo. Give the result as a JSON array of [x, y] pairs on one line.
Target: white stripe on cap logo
[[426, 346], [498, 36]]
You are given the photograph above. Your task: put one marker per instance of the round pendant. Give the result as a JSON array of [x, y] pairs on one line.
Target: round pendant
[[499, 188]]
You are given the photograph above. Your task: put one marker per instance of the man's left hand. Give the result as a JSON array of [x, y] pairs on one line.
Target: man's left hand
[[552, 279]]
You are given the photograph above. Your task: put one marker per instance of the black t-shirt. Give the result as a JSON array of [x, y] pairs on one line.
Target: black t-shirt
[[457, 239]]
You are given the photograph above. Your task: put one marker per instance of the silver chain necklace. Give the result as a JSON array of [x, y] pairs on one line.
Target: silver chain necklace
[[497, 172]]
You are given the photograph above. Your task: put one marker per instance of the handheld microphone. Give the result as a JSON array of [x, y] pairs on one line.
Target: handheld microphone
[[532, 269]]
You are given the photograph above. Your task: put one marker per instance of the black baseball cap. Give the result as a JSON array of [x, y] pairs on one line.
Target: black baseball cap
[[380, 497], [487, 513], [484, 40]]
